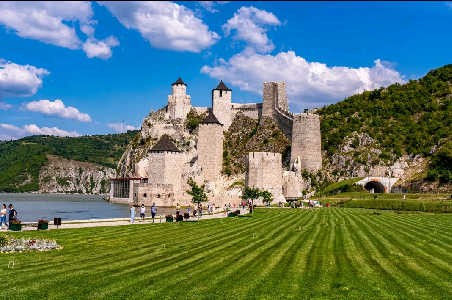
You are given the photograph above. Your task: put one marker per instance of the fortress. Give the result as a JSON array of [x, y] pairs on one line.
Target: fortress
[[161, 176]]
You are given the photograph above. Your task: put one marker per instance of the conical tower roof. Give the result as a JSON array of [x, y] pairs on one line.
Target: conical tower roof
[[165, 144], [179, 81], [210, 119], [222, 86]]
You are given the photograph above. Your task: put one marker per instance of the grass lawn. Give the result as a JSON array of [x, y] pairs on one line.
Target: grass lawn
[[327, 253]]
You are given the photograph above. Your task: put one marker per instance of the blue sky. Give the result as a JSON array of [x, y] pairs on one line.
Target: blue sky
[[80, 68]]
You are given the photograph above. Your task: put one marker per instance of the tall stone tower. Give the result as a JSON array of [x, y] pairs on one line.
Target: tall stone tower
[[263, 170], [210, 147], [179, 101], [221, 104], [274, 97], [306, 141], [165, 164]]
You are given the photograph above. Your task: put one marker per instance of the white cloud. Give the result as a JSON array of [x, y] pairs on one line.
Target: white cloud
[[47, 21], [209, 5], [100, 49], [309, 84], [8, 131], [250, 25], [166, 25], [117, 127], [18, 80], [56, 109], [5, 106]]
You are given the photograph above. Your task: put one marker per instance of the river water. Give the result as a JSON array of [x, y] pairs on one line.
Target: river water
[[32, 207]]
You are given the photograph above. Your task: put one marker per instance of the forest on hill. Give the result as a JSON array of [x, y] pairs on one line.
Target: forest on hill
[[413, 118], [21, 160]]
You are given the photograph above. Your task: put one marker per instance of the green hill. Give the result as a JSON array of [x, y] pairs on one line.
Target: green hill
[[21, 160], [413, 118]]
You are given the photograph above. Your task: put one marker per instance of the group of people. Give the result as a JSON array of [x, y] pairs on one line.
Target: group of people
[[143, 212], [12, 215], [198, 210]]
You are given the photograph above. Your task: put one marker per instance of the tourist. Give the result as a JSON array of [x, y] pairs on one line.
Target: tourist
[[208, 208], [243, 204], [213, 208], [229, 205], [12, 214], [200, 210], [195, 210], [142, 212], [153, 211], [132, 213], [233, 205], [225, 208], [188, 209], [177, 209], [3, 216]]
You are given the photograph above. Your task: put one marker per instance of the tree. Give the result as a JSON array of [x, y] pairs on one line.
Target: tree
[[268, 197], [251, 194], [197, 193]]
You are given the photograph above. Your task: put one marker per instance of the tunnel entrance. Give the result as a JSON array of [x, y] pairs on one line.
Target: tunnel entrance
[[377, 186]]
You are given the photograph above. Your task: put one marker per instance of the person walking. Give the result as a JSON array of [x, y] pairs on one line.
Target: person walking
[[225, 208], [153, 211], [200, 210], [208, 208], [177, 209], [188, 209], [213, 208], [195, 210], [3, 216], [132, 213], [12, 214], [142, 212]]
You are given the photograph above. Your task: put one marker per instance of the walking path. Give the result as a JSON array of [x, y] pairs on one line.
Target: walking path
[[122, 221]]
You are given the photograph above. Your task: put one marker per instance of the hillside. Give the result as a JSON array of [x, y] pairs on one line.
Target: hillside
[[22, 160], [400, 127]]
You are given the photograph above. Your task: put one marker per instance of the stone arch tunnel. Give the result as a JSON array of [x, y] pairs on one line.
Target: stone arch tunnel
[[377, 186]]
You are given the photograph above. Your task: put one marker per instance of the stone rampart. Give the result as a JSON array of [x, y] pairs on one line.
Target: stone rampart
[[252, 110], [149, 193]]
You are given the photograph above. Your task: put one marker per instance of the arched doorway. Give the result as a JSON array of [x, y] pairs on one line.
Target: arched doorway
[[377, 186]]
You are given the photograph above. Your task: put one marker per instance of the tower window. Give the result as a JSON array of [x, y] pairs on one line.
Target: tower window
[[144, 195], [221, 93]]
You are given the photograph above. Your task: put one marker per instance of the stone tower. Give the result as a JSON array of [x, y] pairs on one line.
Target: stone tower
[[221, 104], [165, 164], [274, 97], [306, 141], [263, 170], [210, 147], [178, 101]]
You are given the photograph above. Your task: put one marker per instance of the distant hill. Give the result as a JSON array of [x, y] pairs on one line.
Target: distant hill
[[21, 160], [413, 119]]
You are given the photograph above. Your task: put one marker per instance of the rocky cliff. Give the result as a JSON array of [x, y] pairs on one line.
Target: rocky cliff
[[60, 175]]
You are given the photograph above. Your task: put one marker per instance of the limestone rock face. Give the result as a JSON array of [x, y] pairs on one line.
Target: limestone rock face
[[60, 175]]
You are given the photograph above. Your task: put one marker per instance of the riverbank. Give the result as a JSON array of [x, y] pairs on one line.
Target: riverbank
[[123, 221]]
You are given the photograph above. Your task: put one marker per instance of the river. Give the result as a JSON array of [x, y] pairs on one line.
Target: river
[[32, 207]]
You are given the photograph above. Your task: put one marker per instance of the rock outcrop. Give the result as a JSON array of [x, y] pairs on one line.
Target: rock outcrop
[[60, 175]]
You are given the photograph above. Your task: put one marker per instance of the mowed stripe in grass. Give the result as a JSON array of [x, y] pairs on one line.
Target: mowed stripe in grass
[[277, 254]]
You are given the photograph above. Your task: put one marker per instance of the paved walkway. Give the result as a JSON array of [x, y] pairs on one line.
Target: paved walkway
[[122, 221]]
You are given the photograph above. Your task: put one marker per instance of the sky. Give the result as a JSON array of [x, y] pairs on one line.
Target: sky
[[82, 68]]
